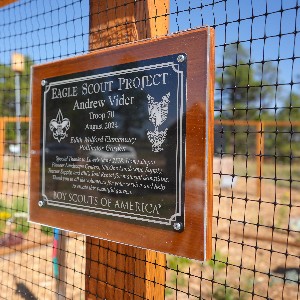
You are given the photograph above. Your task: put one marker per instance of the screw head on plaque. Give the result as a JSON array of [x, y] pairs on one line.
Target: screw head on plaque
[[181, 58], [178, 226], [41, 203]]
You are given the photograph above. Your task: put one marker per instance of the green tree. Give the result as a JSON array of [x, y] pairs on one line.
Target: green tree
[[7, 89], [286, 139], [290, 110], [242, 87]]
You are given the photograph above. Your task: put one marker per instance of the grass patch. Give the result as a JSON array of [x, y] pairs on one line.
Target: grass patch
[[12, 162], [18, 222], [218, 262], [20, 205], [21, 225], [176, 266], [47, 230]]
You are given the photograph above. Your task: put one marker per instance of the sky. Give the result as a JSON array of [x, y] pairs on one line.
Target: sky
[[49, 30]]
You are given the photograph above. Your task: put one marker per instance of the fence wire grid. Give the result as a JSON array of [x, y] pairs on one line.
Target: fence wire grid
[[256, 217]]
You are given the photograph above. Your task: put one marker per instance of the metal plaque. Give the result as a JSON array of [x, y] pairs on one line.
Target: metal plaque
[[121, 144], [113, 142]]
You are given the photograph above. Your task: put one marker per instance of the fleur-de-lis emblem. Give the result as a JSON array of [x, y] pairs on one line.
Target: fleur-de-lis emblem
[[59, 126]]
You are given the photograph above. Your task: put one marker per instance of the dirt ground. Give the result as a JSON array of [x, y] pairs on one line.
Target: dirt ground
[[257, 255]]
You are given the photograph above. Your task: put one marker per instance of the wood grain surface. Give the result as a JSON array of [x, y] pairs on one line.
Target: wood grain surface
[[139, 21]]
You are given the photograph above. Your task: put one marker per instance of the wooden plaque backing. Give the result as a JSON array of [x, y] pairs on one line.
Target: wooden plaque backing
[[195, 241]]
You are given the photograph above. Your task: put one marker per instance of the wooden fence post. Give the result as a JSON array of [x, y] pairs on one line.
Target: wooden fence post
[[116, 271], [260, 145], [2, 150]]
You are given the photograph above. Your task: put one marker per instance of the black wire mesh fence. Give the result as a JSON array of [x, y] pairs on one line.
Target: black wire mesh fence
[[256, 218]]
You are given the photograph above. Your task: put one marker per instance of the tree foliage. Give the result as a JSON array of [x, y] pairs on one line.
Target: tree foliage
[[7, 89], [284, 141], [242, 87], [246, 91]]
